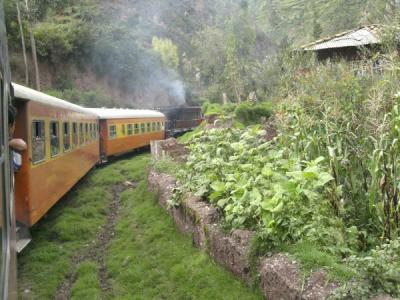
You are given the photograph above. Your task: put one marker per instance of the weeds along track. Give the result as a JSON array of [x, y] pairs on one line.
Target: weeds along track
[[110, 239], [96, 252]]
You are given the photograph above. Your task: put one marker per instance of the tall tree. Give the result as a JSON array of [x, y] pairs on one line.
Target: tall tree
[[33, 47], [239, 50], [21, 30]]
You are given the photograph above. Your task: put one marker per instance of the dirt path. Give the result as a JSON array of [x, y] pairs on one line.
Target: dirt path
[[97, 251]]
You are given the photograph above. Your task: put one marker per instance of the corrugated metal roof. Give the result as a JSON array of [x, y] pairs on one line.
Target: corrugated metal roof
[[366, 35], [121, 113], [25, 93]]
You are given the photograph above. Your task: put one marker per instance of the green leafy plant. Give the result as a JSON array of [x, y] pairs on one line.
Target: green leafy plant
[[252, 113], [380, 269], [259, 187]]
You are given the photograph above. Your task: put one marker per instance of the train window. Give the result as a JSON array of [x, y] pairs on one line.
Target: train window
[[74, 134], [112, 132], [153, 126], [142, 128], [81, 134], [90, 133], [38, 141], [148, 127], [67, 136], [158, 126], [123, 129], [130, 129], [54, 139], [94, 131], [87, 138], [136, 128]]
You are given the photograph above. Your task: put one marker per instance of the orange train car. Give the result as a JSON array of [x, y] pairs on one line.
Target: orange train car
[[63, 145], [123, 130]]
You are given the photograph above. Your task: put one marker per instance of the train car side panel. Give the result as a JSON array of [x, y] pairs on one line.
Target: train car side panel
[[50, 181], [22, 185], [123, 135], [70, 148]]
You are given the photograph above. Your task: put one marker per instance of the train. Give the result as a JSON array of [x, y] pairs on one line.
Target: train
[[181, 119], [65, 141], [8, 268]]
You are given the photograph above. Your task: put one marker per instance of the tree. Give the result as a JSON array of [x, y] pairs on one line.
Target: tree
[[168, 52], [33, 47], [21, 30], [239, 51]]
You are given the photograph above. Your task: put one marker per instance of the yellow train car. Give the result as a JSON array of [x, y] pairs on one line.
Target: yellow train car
[[63, 145], [123, 130]]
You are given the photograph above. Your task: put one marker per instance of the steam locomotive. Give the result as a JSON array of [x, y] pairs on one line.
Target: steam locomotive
[[181, 119]]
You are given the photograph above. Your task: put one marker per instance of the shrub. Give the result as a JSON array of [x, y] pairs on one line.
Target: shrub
[[260, 187], [85, 98], [380, 273], [62, 40], [250, 113]]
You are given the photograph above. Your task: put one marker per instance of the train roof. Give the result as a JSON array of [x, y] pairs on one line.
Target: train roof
[[122, 113], [185, 108], [25, 93]]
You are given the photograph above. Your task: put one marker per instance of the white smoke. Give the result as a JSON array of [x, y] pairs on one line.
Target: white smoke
[[177, 91]]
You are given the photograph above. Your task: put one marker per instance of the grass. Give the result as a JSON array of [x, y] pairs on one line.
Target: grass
[[158, 262], [166, 166], [68, 228], [311, 259], [87, 284], [190, 134], [147, 259]]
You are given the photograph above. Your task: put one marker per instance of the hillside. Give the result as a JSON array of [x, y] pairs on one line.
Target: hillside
[[102, 52], [298, 157]]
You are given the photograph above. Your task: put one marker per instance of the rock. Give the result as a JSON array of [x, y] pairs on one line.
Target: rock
[[194, 216], [183, 223], [231, 250], [162, 183], [130, 184], [318, 286], [126, 261], [169, 148], [211, 118], [202, 215], [280, 278]]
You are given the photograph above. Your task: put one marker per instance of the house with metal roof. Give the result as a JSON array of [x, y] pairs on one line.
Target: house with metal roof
[[348, 44]]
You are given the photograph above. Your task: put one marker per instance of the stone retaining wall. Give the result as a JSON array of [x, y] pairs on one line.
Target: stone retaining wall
[[279, 276]]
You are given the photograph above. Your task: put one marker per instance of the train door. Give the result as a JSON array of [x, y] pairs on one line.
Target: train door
[[7, 220]]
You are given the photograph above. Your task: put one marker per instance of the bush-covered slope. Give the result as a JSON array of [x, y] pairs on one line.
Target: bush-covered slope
[[221, 46], [330, 176]]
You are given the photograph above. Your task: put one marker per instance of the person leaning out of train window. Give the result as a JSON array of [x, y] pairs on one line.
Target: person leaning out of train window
[[16, 145]]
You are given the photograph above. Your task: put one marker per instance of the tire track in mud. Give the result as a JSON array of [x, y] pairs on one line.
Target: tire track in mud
[[96, 251]]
